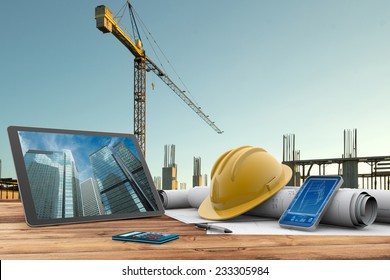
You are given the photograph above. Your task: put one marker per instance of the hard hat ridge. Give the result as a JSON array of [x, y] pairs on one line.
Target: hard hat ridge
[[238, 162]]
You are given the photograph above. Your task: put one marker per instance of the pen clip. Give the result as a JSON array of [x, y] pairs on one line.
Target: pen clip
[[201, 226]]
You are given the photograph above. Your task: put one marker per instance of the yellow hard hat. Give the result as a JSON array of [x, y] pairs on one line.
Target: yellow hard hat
[[241, 179]]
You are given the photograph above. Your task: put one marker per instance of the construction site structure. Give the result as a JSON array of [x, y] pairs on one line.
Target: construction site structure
[[169, 171], [205, 181], [9, 189], [157, 182], [378, 176], [106, 23], [197, 176]]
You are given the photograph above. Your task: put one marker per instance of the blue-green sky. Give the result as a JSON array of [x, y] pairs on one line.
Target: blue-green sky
[[260, 69], [80, 145]]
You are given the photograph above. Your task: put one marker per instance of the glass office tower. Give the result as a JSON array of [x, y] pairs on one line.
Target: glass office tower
[[121, 179], [54, 183], [90, 197], [133, 167]]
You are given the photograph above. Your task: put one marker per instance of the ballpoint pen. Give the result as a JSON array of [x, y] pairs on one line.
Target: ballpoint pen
[[213, 227]]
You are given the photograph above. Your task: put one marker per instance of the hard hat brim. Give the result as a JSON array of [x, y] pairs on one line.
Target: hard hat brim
[[207, 211]]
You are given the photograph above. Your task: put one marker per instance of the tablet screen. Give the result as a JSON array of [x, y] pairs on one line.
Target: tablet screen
[[74, 176]]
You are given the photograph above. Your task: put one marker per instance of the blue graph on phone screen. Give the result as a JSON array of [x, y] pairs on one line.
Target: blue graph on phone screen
[[313, 197]]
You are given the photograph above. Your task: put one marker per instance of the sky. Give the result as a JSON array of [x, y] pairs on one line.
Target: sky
[[81, 146], [259, 69]]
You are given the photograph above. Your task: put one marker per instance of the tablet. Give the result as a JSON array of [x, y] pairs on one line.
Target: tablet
[[69, 176], [310, 203]]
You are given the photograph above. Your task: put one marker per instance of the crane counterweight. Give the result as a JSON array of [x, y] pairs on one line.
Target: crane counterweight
[[102, 22]]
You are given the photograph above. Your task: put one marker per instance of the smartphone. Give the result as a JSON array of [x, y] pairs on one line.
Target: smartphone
[[310, 203]]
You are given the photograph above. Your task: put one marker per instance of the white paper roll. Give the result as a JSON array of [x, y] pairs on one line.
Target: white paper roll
[[383, 199], [192, 198], [275, 205], [173, 199], [196, 196], [350, 207]]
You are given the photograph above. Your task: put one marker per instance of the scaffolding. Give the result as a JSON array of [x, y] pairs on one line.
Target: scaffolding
[[377, 176]]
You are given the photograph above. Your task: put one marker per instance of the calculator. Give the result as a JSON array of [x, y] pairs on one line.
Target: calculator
[[146, 237]]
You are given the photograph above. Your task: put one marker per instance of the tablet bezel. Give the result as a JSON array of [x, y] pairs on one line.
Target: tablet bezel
[[25, 190], [285, 222]]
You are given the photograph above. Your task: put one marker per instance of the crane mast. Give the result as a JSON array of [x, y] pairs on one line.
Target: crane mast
[[142, 63]]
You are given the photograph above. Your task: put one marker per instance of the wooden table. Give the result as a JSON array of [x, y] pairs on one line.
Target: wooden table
[[93, 241]]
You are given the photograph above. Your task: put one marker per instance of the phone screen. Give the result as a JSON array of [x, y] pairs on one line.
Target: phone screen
[[313, 197], [308, 205]]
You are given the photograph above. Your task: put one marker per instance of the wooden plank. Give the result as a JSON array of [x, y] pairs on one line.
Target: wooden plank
[[93, 241], [379, 251], [218, 246]]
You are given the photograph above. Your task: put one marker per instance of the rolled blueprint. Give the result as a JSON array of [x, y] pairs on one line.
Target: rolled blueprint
[[350, 207], [383, 199], [197, 195], [192, 198], [275, 205], [172, 199]]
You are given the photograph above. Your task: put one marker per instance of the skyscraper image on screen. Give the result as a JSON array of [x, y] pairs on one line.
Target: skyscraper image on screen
[[54, 183], [77, 176], [121, 179]]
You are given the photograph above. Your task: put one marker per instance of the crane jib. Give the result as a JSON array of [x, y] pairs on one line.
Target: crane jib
[[151, 66], [106, 24]]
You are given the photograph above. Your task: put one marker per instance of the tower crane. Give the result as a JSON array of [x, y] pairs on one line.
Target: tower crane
[[142, 64]]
